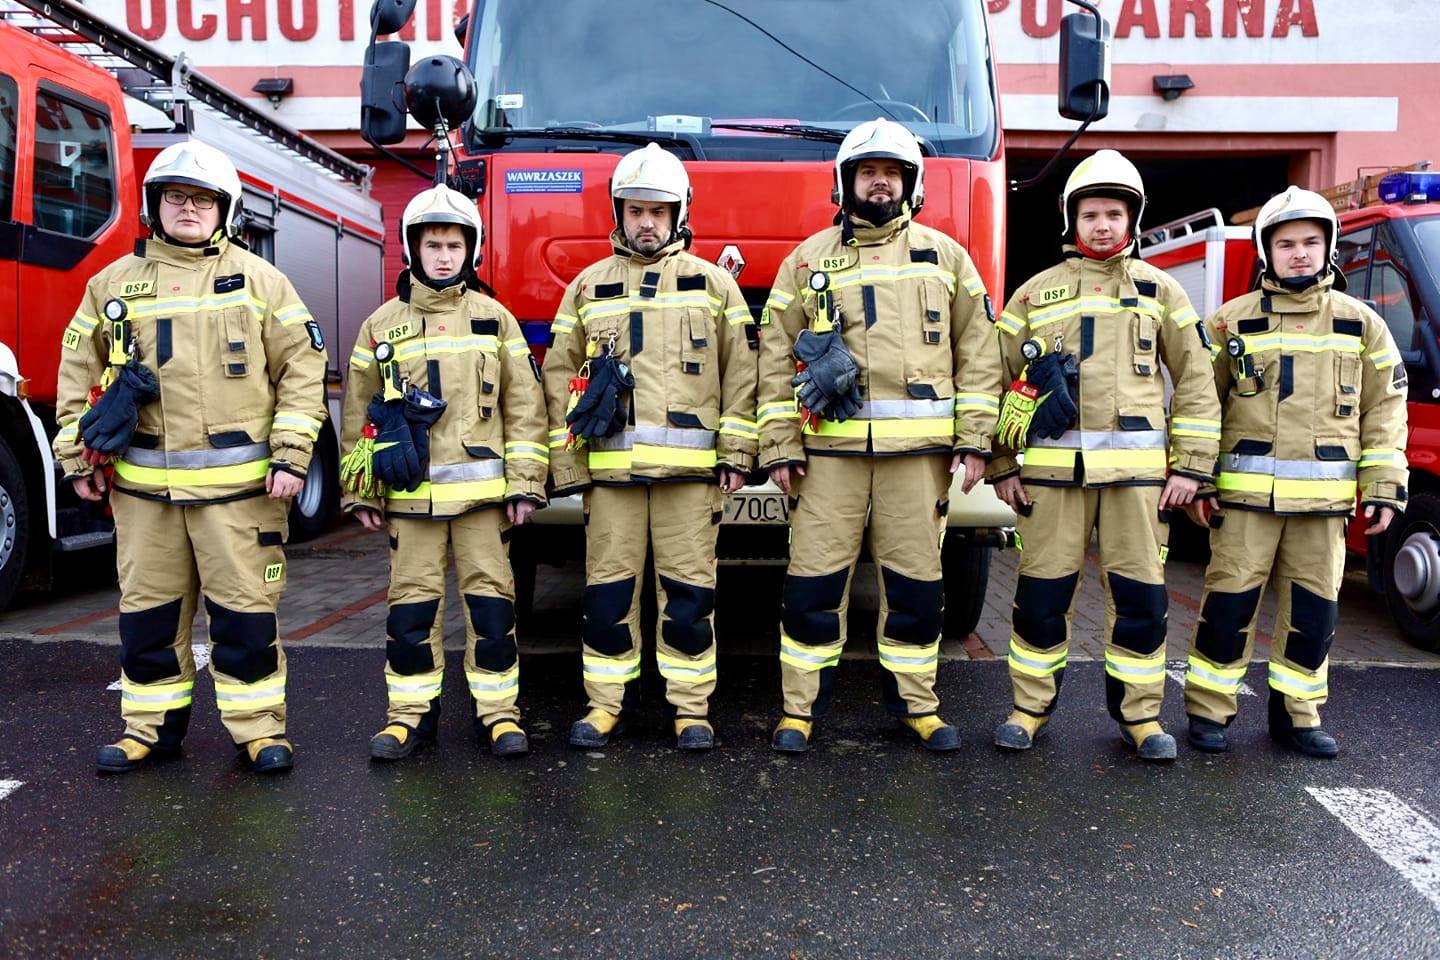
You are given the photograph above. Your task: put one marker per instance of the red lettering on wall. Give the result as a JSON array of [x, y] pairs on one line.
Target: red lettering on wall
[[309, 19], [1138, 13], [347, 19], [135, 19], [1296, 13], [1030, 18], [1199, 10], [433, 21], [237, 11], [998, 6], [189, 29], [1251, 12]]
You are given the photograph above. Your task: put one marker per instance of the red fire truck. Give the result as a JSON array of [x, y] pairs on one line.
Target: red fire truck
[[754, 96], [1389, 251], [84, 107]]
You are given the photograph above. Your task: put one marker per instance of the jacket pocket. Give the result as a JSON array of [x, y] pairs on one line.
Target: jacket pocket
[[934, 313], [1337, 448], [691, 416], [271, 536], [235, 351], [486, 367], [695, 336], [1144, 345], [1347, 384]]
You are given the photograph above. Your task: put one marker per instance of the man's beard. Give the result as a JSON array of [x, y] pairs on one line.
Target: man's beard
[[878, 212], [646, 247]]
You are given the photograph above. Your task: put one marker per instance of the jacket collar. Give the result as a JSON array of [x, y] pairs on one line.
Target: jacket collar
[[428, 300], [189, 258], [1278, 299], [862, 233], [1117, 264], [622, 249]]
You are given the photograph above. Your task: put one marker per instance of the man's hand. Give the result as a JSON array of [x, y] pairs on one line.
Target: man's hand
[[371, 520], [1381, 522], [518, 511], [281, 485], [91, 487], [781, 475], [1199, 510], [731, 480], [1179, 491], [1012, 492], [974, 469]]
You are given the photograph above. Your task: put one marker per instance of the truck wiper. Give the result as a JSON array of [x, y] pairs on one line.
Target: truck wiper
[[502, 135], [802, 130]]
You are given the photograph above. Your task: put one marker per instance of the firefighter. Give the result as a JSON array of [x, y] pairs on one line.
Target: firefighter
[[214, 385], [442, 374], [1084, 344], [879, 379], [1314, 397], [651, 392]]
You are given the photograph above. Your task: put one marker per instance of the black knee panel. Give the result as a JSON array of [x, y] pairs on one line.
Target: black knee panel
[[917, 608], [407, 636], [147, 643], [809, 607], [242, 645], [1040, 609], [1139, 613], [1220, 634], [493, 619], [603, 611], [686, 624], [1312, 628]]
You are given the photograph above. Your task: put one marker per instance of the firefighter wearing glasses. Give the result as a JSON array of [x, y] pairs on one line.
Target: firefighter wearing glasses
[[213, 375], [1314, 395], [1084, 343], [879, 378], [444, 434], [651, 392]]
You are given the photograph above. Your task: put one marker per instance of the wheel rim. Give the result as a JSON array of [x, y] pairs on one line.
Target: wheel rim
[[8, 525], [313, 492], [1416, 570]]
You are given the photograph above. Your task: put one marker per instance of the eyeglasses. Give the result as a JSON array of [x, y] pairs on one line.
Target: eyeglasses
[[177, 198]]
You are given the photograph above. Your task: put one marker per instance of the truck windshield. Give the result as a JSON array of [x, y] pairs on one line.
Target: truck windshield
[[1427, 235], [686, 67]]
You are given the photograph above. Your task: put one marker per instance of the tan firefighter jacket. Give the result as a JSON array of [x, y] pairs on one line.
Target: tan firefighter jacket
[[682, 326], [241, 365], [1122, 319], [465, 348], [1313, 404], [914, 315]]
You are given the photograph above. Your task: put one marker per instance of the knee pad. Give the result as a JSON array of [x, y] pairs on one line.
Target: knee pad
[[686, 623], [1139, 614], [1220, 635], [604, 608], [407, 636], [916, 608], [493, 620], [1040, 609], [147, 643], [1312, 628], [809, 607], [242, 645]]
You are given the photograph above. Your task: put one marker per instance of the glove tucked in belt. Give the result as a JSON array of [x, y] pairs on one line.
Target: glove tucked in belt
[[422, 409], [109, 425], [601, 409], [826, 386], [396, 462]]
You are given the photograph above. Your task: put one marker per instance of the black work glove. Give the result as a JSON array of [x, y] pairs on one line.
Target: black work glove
[[396, 463], [829, 375], [109, 426], [422, 409], [601, 410], [1055, 411]]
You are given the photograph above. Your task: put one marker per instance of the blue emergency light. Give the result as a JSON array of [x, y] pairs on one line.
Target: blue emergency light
[[1412, 186]]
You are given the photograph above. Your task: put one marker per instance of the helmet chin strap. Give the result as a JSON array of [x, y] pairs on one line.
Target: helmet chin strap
[[1303, 283]]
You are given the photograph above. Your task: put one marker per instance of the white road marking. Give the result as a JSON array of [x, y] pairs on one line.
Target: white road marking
[[1177, 673], [1400, 835], [8, 787], [201, 653], [114, 685]]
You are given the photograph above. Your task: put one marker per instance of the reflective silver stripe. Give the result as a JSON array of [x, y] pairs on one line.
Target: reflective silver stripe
[[1105, 440], [624, 440], [197, 459], [794, 651], [1215, 678], [510, 684], [918, 661], [1285, 680], [266, 693], [1039, 664], [1137, 670], [175, 697], [1289, 469], [621, 668], [905, 409], [462, 472], [688, 439]]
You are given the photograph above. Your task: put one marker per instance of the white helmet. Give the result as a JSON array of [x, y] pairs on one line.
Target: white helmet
[[652, 173], [1295, 204], [440, 204], [1105, 173], [194, 164], [880, 138]]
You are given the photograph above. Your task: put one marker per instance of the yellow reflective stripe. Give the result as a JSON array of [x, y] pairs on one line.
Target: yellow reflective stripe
[[249, 696], [739, 427], [494, 687], [68, 432], [1135, 669], [199, 477], [906, 658], [598, 669], [1220, 679], [292, 315], [781, 410], [809, 658], [1185, 427], [699, 670], [779, 299], [1383, 358], [1383, 457], [873, 273], [738, 316], [672, 456], [1092, 304], [1301, 686], [415, 687], [1037, 663], [609, 460], [1010, 323], [173, 306], [457, 492], [297, 422], [526, 450], [517, 346], [1215, 352], [564, 323], [155, 696], [1245, 482], [1049, 457], [83, 321], [884, 429], [1314, 489], [1302, 342], [361, 356], [984, 401], [1185, 316], [458, 344], [558, 437], [974, 286]]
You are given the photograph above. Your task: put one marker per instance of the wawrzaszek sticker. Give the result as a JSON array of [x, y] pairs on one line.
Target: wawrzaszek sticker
[[544, 181]]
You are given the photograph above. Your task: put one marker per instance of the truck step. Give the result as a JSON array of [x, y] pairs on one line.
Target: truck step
[[85, 541]]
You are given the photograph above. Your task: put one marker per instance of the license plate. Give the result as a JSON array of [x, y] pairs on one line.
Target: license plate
[[757, 508]]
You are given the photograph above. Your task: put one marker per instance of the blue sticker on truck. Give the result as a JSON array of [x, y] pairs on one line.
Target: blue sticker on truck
[[544, 181]]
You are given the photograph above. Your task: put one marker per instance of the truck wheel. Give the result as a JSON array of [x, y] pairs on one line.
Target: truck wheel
[[1412, 571], [967, 570], [315, 506], [14, 525]]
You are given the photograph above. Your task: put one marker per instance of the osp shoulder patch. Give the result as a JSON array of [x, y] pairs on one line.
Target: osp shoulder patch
[[832, 264], [401, 331], [1052, 295], [317, 340], [129, 289], [273, 572]]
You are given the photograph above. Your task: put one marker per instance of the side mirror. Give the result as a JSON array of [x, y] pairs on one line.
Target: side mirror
[[440, 89], [1084, 66], [389, 16], [382, 114], [461, 29]]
